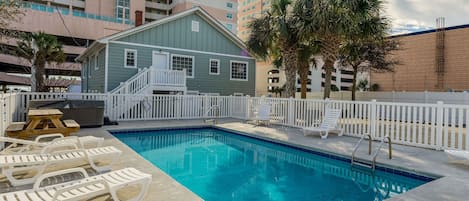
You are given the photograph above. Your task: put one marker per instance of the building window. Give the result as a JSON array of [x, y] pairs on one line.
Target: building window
[[130, 58], [195, 26], [239, 70], [214, 67], [229, 26], [96, 65], [229, 5], [229, 16], [181, 62], [123, 9]]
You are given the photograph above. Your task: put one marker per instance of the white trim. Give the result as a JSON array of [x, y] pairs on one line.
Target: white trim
[[210, 66], [195, 26], [231, 70], [106, 68], [180, 49], [161, 52], [125, 58], [185, 56], [96, 66]]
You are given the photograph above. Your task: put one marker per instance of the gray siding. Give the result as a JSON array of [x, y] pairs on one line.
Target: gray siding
[[95, 78], [202, 81], [178, 34]]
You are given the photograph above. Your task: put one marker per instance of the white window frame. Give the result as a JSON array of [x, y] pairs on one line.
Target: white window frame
[[96, 66], [195, 26], [231, 70], [210, 67], [125, 58], [186, 56]]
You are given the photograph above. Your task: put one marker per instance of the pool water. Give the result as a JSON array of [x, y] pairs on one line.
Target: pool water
[[219, 165]]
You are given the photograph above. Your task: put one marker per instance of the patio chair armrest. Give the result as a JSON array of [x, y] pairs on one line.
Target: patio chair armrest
[[53, 135], [40, 179], [60, 191]]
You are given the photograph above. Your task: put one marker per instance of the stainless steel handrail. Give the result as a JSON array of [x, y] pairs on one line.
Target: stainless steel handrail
[[358, 145], [217, 112], [379, 150]]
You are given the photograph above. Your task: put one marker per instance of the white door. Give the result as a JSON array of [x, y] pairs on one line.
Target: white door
[[160, 61]]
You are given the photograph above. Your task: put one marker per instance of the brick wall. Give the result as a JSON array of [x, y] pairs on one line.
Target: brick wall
[[417, 69]]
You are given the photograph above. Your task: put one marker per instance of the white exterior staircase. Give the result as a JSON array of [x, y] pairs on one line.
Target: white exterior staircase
[[143, 83]]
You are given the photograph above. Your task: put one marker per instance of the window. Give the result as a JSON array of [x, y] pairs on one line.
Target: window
[[96, 65], [181, 62], [123, 9], [239, 70], [130, 58], [229, 5], [195, 26], [214, 67], [229, 16]]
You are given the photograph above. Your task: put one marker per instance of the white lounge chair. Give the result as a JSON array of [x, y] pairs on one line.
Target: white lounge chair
[[263, 114], [27, 146], [329, 124], [11, 165], [83, 189], [458, 156]]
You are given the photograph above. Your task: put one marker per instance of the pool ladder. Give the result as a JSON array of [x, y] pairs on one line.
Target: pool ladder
[[217, 114], [375, 155]]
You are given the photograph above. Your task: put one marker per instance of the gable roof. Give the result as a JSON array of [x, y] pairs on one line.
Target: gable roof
[[196, 10]]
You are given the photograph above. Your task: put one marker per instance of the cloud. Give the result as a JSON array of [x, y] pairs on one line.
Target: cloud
[[417, 15]]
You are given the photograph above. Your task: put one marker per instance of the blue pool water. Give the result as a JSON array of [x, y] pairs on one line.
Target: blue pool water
[[218, 165]]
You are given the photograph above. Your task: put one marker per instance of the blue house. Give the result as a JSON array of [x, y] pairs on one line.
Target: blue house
[[186, 53]]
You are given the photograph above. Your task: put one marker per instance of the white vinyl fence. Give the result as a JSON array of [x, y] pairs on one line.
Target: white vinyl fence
[[436, 126]]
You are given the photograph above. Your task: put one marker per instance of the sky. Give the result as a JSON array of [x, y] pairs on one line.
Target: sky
[[418, 15]]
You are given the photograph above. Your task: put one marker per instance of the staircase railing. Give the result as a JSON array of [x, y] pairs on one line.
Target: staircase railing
[[135, 83], [151, 76]]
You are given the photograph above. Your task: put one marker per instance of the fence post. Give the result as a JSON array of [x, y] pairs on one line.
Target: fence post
[[248, 107], [230, 106], [373, 118], [439, 125], [291, 111]]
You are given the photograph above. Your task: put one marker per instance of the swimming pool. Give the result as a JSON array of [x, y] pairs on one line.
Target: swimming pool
[[219, 165]]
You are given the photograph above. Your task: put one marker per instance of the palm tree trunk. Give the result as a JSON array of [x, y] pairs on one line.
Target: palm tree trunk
[[354, 82], [328, 66], [303, 72], [290, 62], [33, 79], [40, 72]]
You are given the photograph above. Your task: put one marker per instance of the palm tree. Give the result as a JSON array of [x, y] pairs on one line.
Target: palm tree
[[39, 49], [276, 31], [329, 23], [305, 58]]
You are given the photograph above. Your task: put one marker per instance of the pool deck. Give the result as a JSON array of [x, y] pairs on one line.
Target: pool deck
[[453, 184]]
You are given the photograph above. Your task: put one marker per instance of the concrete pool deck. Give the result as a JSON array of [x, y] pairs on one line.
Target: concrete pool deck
[[453, 184]]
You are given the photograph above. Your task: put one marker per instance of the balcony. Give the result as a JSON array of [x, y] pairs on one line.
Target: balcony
[[154, 16], [161, 6], [76, 13], [150, 79]]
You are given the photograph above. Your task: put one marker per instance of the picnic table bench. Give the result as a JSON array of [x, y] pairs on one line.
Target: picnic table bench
[[42, 121]]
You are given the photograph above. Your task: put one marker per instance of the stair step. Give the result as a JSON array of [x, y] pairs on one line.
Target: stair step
[[362, 164]]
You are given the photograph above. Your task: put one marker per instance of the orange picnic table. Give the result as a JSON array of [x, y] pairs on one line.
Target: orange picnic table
[[42, 121]]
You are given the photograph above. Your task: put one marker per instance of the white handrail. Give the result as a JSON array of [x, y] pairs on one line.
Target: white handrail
[[151, 76]]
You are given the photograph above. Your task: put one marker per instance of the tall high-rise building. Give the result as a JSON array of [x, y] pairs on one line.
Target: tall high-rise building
[[77, 23]]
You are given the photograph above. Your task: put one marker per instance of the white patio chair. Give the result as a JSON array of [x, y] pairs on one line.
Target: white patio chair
[[36, 164], [83, 189], [263, 114], [29, 146], [329, 124], [458, 156]]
